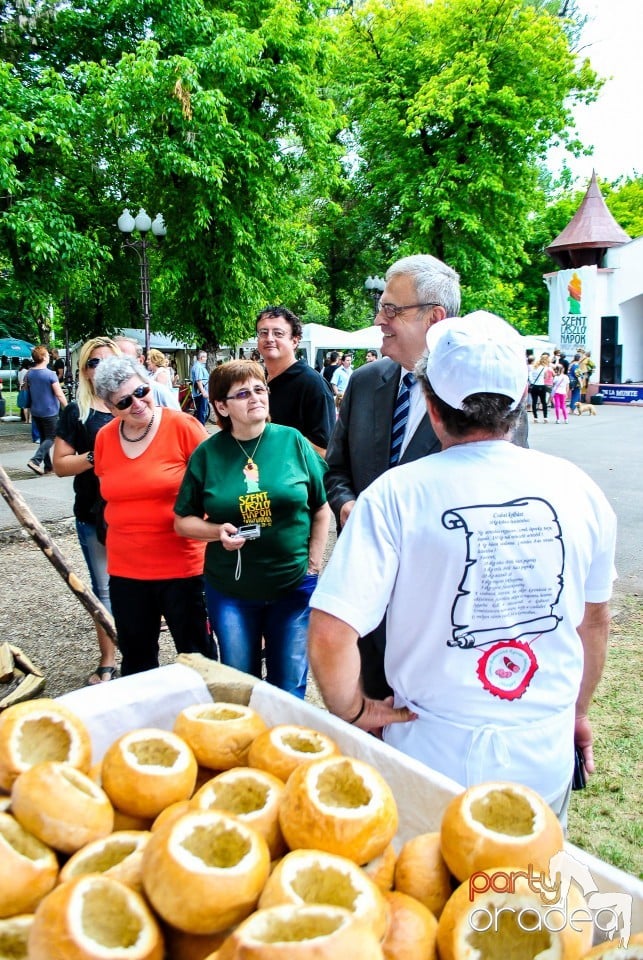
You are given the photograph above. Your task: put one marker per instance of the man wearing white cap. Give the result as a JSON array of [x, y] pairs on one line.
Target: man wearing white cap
[[495, 593]]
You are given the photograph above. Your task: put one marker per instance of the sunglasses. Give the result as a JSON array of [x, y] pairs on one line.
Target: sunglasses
[[93, 362], [126, 402]]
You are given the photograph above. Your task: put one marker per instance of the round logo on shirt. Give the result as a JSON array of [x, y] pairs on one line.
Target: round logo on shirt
[[506, 669]]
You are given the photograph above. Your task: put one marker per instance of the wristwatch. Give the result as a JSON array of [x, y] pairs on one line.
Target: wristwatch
[[90, 457]]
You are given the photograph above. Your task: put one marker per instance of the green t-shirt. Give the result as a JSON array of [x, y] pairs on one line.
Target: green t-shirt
[[281, 495]]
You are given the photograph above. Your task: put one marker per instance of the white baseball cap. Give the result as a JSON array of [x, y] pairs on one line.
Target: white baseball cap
[[478, 353]]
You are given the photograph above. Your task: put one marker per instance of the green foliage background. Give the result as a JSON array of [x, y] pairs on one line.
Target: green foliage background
[[292, 148]]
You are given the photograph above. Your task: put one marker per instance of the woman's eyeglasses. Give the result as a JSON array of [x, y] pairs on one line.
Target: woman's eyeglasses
[[246, 394], [93, 362], [126, 402]]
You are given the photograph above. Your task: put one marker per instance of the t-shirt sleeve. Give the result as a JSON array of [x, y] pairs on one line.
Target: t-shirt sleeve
[[320, 413], [316, 468], [68, 428], [189, 502], [360, 575]]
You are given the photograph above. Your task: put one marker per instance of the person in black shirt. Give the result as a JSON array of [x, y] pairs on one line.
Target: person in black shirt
[[299, 396]]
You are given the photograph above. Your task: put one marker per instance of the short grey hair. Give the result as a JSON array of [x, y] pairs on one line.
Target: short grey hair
[[435, 282], [113, 372], [120, 340]]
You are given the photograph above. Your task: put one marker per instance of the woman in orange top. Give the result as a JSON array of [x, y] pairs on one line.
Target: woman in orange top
[[140, 459]]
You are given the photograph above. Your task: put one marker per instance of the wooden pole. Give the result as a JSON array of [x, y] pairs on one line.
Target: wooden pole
[[37, 532]]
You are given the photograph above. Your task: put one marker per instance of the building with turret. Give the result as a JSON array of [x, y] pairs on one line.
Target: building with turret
[[596, 297]]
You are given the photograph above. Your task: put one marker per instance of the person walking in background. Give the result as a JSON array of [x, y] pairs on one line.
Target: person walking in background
[[26, 411], [163, 397], [73, 456], [47, 398], [560, 387], [574, 374], [299, 397], [371, 356], [340, 378], [199, 378], [269, 477], [140, 460], [331, 365], [159, 369], [538, 381]]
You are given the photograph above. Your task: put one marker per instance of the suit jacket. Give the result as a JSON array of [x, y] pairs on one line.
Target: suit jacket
[[360, 445]]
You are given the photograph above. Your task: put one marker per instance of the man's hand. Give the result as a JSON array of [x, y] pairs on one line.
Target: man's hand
[[345, 512], [379, 713]]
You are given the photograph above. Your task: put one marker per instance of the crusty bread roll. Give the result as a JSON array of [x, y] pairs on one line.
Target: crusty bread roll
[[40, 730], [284, 747], [497, 823], [94, 918], [28, 868], [253, 796], [220, 734], [61, 806], [311, 932], [119, 856], [312, 876], [204, 872], [340, 805], [146, 770]]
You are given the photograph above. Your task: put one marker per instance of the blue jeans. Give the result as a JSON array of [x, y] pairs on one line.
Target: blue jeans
[[575, 397], [200, 404], [96, 560], [46, 427], [240, 627]]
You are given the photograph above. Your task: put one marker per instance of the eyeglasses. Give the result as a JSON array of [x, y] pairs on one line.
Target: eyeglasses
[[246, 394], [277, 334], [390, 311], [93, 362], [126, 402]]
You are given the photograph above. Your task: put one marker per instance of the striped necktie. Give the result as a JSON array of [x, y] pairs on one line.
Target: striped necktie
[[400, 417]]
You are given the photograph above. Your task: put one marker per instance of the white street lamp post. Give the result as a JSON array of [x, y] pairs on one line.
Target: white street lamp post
[[143, 224], [374, 286]]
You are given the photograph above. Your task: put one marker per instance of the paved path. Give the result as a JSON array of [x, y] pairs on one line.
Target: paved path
[[608, 446]]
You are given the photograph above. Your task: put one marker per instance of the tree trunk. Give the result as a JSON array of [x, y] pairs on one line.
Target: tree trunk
[[38, 533]]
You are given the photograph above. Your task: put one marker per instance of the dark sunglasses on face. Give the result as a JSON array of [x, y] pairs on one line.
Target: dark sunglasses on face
[[126, 402], [246, 394], [93, 362]]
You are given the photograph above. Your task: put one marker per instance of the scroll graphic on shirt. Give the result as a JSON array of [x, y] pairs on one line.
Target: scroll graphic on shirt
[[509, 589]]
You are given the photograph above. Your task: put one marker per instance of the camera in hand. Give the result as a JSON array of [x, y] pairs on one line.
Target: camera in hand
[[249, 531]]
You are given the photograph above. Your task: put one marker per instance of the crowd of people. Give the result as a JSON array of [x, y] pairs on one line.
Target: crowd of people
[[554, 381], [463, 614]]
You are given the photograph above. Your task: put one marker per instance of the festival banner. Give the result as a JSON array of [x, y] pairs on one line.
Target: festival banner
[[573, 308]]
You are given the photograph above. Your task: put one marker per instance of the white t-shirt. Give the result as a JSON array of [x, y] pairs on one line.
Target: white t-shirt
[[482, 557]]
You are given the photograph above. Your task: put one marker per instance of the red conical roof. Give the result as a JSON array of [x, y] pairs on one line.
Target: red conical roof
[[589, 233]]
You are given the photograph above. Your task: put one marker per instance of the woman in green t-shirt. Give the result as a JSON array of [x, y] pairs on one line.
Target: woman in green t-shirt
[[255, 492]]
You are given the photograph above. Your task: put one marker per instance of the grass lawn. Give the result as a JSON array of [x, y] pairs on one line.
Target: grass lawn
[[605, 818]]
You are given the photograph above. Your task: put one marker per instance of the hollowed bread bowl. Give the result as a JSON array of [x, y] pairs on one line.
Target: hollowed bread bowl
[[220, 734], [205, 871], [498, 823], [284, 747], [94, 918], [339, 805], [614, 951], [28, 868], [119, 856], [40, 730], [14, 934], [61, 806], [313, 932], [478, 922], [146, 770], [313, 876], [253, 796]]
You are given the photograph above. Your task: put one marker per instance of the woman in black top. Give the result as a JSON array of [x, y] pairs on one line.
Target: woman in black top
[[73, 457]]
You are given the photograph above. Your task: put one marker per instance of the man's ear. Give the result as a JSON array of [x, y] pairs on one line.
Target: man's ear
[[435, 315]]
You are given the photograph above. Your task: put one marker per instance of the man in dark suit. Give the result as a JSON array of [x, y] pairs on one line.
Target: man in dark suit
[[420, 291]]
